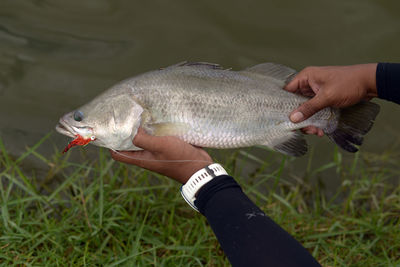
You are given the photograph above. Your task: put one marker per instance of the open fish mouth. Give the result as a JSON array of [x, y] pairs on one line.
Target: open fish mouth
[[63, 128]]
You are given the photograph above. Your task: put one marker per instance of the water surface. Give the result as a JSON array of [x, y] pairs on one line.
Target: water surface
[[56, 55]]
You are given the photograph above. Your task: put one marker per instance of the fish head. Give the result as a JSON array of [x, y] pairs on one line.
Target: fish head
[[108, 120]]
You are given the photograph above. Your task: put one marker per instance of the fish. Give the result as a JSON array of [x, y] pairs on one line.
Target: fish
[[209, 106]]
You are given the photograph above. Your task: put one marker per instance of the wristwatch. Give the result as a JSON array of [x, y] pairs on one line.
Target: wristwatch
[[198, 180]]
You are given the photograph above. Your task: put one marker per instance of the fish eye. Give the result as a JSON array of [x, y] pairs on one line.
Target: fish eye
[[78, 115]]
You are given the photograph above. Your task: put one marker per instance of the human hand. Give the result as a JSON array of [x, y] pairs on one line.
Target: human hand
[[166, 155], [335, 86]]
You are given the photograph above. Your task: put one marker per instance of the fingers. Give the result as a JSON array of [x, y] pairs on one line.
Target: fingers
[[308, 109], [309, 130], [147, 141], [320, 133], [132, 157], [300, 81], [313, 130], [294, 84], [308, 84], [118, 155]]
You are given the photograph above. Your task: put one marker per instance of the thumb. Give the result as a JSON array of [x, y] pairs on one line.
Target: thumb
[[146, 141], [307, 109]]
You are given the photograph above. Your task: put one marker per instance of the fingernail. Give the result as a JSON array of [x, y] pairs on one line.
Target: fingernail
[[297, 116]]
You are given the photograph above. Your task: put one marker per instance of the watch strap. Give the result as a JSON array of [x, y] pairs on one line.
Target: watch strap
[[198, 180]]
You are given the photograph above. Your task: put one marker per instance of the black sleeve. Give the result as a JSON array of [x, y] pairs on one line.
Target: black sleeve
[[247, 236], [388, 81]]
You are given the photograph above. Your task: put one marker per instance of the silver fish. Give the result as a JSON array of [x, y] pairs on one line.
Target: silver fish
[[208, 106]]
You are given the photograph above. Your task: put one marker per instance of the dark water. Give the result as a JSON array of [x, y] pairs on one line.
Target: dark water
[[56, 55]]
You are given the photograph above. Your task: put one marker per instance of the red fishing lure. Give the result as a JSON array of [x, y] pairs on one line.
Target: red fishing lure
[[78, 141]]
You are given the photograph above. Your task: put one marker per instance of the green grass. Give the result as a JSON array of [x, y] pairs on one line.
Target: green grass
[[101, 212]]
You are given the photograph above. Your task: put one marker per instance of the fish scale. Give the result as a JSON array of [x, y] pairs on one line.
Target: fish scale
[[208, 106], [225, 127]]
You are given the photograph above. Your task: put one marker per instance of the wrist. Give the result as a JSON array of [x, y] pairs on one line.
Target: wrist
[[369, 78], [190, 189], [191, 169]]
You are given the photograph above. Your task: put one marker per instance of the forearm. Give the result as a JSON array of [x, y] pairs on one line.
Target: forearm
[[247, 236], [388, 81]]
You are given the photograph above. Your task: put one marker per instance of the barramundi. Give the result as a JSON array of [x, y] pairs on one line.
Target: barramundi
[[208, 106]]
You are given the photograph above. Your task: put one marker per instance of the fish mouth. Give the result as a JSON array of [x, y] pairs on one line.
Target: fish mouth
[[63, 128], [73, 131]]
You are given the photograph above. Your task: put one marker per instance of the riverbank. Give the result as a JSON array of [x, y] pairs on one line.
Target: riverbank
[[105, 213]]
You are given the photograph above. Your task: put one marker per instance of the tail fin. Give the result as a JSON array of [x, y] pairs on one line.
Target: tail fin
[[354, 123]]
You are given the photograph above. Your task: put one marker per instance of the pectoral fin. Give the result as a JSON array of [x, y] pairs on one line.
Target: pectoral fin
[[168, 128]]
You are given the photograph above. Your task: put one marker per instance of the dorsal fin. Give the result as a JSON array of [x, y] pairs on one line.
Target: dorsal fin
[[274, 70], [198, 64]]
